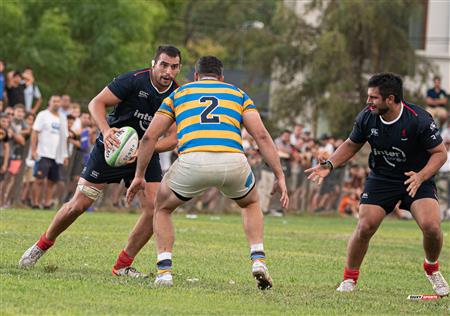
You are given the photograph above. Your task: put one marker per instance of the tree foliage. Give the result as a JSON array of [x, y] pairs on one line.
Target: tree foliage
[[353, 40], [77, 47]]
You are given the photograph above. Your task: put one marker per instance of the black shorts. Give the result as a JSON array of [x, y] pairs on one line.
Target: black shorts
[[387, 194], [98, 171], [47, 168]]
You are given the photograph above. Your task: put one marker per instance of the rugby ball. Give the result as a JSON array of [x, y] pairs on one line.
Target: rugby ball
[[129, 141]]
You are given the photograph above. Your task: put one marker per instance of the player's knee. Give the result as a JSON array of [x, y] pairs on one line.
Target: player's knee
[[148, 209], [366, 230], [75, 208], [432, 230]]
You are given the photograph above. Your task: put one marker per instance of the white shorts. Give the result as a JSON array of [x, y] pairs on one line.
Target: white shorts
[[195, 172]]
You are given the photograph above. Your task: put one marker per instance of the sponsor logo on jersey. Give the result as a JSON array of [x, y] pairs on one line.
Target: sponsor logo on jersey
[[144, 119], [396, 155], [365, 195]]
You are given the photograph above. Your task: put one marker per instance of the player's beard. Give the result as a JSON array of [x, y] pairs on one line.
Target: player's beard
[[378, 110], [165, 81]]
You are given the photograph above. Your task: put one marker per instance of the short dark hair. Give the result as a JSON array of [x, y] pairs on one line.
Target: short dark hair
[[70, 117], [436, 78], [169, 50], [388, 84], [209, 65]]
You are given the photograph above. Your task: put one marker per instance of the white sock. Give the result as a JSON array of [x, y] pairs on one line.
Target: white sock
[[256, 247], [430, 262], [164, 256]]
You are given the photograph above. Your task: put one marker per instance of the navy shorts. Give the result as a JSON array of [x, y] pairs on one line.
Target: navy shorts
[[388, 193], [98, 171], [47, 168]]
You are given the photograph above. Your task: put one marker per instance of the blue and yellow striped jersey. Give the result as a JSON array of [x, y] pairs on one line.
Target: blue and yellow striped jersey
[[208, 114]]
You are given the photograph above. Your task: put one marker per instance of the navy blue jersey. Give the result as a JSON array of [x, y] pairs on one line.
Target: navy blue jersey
[[139, 100], [398, 146]]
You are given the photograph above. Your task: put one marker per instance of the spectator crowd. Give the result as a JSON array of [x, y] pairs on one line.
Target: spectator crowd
[[43, 150]]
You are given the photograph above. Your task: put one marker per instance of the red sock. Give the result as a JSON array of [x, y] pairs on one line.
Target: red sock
[[123, 261], [430, 267], [45, 243], [351, 274]]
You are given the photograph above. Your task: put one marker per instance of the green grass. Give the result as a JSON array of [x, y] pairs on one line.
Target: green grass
[[305, 257]]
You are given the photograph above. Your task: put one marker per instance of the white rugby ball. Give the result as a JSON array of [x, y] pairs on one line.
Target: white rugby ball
[[129, 141]]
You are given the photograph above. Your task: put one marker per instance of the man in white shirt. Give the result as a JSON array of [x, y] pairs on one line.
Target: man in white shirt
[[32, 94], [48, 149]]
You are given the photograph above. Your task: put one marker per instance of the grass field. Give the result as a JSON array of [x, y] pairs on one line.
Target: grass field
[[212, 268]]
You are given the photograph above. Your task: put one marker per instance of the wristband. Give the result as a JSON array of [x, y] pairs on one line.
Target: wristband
[[327, 164]]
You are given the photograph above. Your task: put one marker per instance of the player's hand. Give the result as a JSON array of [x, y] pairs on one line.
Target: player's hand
[[110, 139], [3, 169], [137, 185], [280, 186], [133, 157], [34, 155], [66, 162], [318, 173], [414, 182]]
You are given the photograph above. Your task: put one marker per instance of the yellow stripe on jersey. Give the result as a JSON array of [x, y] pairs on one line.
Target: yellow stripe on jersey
[[215, 148], [211, 134], [208, 114]]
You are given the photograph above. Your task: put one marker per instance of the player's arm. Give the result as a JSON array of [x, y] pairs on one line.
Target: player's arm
[[97, 108], [344, 152], [254, 125], [159, 125], [169, 141], [437, 159]]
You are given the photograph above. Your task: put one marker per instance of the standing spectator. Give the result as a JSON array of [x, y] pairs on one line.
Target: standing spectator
[[284, 148], [28, 178], [17, 149], [15, 89], [4, 152], [2, 84], [32, 94], [437, 101], [65, 108], [76, 113], [48, 149], [297, 134], [82, 146]]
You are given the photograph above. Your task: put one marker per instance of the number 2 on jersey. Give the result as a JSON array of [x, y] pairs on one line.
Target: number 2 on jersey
[[206, 117]]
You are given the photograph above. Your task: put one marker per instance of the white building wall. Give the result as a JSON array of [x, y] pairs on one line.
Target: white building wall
[[437, 45]]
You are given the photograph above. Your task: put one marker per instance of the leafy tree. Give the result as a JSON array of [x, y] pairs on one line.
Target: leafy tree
[[354, 39]]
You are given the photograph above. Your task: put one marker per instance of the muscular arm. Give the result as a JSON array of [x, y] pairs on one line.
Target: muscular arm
[[437, 159], [254, 125], [159, 125], [344, 152], [98, 106], [169, 141]]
